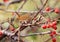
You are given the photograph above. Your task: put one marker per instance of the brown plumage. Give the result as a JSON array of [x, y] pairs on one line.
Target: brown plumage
[[25, 17]]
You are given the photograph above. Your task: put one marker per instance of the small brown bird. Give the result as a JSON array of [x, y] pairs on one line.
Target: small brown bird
[[25, 17]]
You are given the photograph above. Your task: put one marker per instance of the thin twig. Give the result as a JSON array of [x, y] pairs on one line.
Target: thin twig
[[41, 9]]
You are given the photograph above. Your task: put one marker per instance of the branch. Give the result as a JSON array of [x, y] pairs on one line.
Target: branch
[[15, 1], [41, 33], [11, 2], [1, 3], [41, 9]]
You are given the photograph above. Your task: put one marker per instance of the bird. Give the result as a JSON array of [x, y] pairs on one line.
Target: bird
[[25, 17]]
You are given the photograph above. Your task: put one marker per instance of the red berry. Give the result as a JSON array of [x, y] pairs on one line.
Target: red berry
[[47, 9], [5, 0], [44, 26], [56, 10], [54, 32], [51, 25], [48, 26], [12, 29], [53, 39], [54, 23], [54, 27], [51, 34], [1, 34]]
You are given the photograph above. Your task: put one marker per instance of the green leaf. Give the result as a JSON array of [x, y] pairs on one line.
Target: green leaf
[[5, 25], [15, 25]]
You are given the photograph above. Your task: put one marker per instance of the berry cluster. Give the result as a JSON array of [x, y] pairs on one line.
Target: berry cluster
[[56, 10], [52, 25], [52, 34]]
